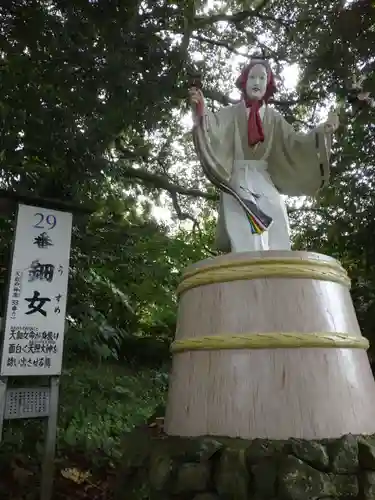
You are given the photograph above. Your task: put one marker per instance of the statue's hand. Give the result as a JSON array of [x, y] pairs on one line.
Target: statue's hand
[[332, 123], [196, 98], [366, 97]]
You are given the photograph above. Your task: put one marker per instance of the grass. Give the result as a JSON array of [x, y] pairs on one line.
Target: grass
[[98, 404]]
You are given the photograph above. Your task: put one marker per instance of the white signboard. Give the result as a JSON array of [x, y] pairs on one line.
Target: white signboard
[[35, 318]]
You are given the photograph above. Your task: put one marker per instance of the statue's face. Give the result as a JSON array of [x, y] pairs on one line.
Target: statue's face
[[256, 84]]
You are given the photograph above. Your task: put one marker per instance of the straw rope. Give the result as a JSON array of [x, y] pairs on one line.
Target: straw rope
[[334, 264], [273, 340], [261, 268]]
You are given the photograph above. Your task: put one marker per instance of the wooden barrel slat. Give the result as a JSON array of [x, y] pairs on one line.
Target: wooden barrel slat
[[277, 393]]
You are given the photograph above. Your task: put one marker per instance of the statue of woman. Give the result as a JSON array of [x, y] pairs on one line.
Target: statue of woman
[[254, 156]]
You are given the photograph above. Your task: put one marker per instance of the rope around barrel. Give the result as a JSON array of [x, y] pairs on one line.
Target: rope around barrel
[[314, 261], [272, 340], [260, 268]]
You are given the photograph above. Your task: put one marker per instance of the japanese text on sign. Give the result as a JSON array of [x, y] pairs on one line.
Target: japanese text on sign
[[35, 318]]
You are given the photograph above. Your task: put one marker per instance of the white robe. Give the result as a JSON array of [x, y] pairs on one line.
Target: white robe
[[287, 162]]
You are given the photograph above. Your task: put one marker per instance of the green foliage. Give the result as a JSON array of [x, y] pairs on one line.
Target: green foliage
[[98, 403], [110, 401]]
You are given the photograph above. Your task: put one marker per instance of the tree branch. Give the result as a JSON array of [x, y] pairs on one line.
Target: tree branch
[[261, 5], [218, 96], [218, 43], [180, 213], [316, 210], [188, 24], [160, 182], [238, 17]]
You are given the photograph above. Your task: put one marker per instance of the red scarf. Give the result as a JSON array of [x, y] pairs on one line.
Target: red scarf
[[255, 131]]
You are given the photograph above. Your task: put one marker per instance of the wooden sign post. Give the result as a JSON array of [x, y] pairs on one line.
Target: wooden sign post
[[33, 330]]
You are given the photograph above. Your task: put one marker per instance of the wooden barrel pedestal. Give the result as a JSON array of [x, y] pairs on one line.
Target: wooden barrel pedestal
[[268, 346]]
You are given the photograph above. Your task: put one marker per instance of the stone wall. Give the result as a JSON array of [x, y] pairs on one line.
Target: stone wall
[[168, 468]]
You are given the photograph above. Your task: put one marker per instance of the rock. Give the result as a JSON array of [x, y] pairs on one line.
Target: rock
[[367, 485], [299, 481], [129, 486], [232, 479], [311, 452], [366, 453], [370, 477], [343, 454], [136, 447], [192, 478], [188, 449], [161, 470], [209, 447], [132, 474], [345, 486], [262, 448], [152, 495], [206, 496], [264, 476]]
